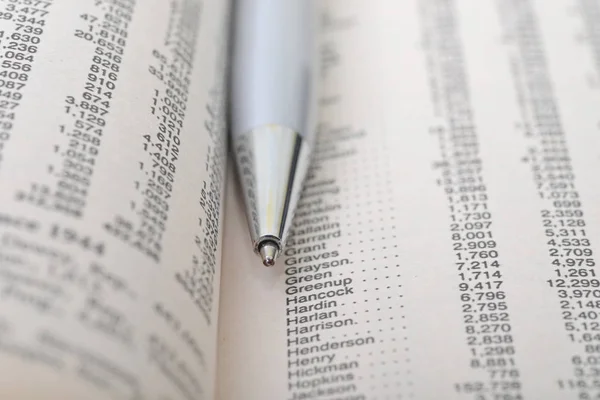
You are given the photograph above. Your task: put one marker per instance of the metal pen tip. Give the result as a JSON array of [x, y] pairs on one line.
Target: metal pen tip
[[268, 252]]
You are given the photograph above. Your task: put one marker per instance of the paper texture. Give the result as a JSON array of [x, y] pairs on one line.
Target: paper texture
[[445, 243], [111, 180]]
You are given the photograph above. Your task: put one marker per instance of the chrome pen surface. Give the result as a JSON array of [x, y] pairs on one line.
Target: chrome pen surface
[[273, 109]]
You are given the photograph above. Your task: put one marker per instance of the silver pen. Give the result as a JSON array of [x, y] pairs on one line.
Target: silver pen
[[273, 112]]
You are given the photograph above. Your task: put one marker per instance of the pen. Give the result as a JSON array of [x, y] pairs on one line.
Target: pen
[[273, 112]]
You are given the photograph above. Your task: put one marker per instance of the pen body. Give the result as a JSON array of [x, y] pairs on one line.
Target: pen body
[[274, 65], [273, 110]]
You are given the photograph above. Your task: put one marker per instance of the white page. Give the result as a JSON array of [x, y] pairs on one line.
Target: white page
[[111, 179], [430, 145]]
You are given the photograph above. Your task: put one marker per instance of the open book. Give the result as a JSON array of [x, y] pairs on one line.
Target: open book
[[445, 242]]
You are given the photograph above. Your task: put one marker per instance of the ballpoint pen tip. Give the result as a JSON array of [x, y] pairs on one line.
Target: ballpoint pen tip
[[268, 253], [268, 262]]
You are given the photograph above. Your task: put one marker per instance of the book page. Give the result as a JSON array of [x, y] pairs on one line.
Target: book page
[[111, 182], [446, 242]]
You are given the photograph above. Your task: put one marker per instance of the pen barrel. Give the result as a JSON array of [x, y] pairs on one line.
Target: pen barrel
[[274, 66], [273, 110]]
